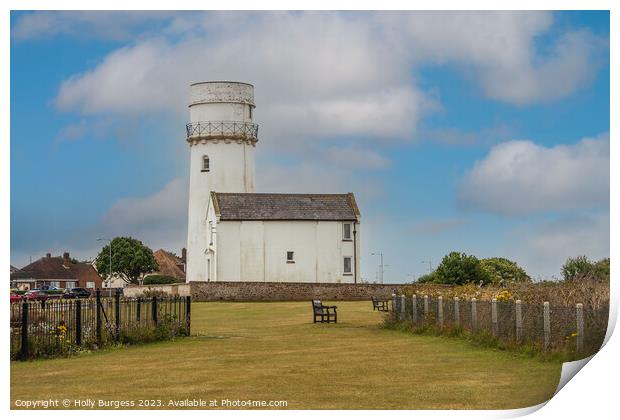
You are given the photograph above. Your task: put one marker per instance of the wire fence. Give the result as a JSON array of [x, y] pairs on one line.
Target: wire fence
[[53, 328], [580, 330]]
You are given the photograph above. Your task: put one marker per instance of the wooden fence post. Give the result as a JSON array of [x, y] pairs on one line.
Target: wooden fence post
[[138, 309], [117, 314], [580, 329], [440, 311], [474, 315], [98, 316], [24, 353], [154, 310], [457, 316], [414, 311], [494, 328], [403, 306], [394, 303], [188, 313], [518, 320], [78, 322], [425, 306], [546, 325]]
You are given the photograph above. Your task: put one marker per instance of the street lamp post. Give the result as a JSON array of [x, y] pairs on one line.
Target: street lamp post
[[110, 270], [380, 254], [430, 265]]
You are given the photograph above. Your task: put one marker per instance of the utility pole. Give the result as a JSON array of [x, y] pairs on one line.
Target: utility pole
[[430, 265], [381, 266]]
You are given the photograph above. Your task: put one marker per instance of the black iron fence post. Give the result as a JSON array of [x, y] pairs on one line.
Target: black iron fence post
[[24, 345], [117, 314], [154, 310], [98, 305], [138, 309], [188, 313], [78, 322]]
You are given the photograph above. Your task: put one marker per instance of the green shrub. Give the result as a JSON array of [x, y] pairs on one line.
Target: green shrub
[[502, 269], [601, 269], [428, 278], [576, 267], [159, 279], [460, 268]]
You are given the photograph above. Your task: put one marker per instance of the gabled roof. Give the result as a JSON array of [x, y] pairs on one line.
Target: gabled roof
[[268, 206], [169, 264], [53, 268]]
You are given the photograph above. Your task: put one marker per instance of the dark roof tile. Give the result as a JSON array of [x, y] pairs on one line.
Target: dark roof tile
[[268, 206]]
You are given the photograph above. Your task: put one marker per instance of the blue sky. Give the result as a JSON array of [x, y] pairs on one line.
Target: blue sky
[[478, 132]]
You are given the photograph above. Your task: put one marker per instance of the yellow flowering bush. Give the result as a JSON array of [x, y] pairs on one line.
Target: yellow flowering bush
[[503, 296]]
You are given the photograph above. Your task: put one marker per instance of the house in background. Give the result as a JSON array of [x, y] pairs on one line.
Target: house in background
[[60, 272], [170, 264]]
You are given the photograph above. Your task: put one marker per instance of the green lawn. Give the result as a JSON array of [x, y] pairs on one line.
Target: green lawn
[[272, 351]]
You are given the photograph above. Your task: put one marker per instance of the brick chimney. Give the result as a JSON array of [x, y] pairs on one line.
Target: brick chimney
[[184, 258], [65, 259]]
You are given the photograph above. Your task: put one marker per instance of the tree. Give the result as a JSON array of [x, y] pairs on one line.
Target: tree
[[576, 267], [460, 268], [499, 269], [601, 269], [131, 260]]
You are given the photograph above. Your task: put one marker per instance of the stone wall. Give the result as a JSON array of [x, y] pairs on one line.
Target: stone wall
[[177, 289], [271, 291]]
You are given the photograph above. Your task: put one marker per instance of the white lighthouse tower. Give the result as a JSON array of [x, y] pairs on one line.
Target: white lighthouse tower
[[222, 140]]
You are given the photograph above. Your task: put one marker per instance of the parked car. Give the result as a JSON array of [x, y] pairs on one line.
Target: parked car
[[36, 295], [77, 292], [15, 297]]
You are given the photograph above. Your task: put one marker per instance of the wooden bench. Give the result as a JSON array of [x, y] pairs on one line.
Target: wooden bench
[[379, 304], [324, 313]]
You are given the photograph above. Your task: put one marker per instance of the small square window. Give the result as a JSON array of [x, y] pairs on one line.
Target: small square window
[[346, 231], [347, 269], [290, 256]]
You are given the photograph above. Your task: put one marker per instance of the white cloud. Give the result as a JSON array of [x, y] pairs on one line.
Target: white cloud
[[520, 177], [498, 50], [108, 25], [317, 177], [543, 247], [159, 219], [331, 73], [356, 158]]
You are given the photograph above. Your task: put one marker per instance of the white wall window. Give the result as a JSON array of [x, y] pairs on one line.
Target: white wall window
[[347, 267], [90, 284], [346, 231], [205, 163], [69, 284], [55, 284], [290, 256]]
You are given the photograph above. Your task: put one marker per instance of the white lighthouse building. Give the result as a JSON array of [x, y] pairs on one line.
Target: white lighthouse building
[[236, 234]]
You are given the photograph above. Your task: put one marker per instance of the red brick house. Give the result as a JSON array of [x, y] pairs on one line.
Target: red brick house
[[60, 272]]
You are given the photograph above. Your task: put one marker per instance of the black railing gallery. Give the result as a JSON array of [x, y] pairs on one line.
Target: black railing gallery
[[224, 129]]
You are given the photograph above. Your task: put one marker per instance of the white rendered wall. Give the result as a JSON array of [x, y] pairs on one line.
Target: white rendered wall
[[231, 162], [256, 251]]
